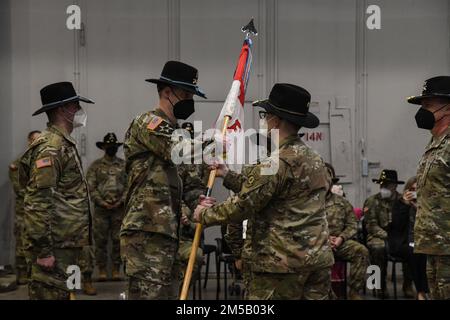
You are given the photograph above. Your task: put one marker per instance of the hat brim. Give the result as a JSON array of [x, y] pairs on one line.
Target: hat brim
[[418, 99], [101, 144], [57, 104], [192, 89], [377, 181], [309, 120]]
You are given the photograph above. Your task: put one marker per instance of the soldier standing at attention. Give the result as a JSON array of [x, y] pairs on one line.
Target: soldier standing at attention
[[107, 180], [287, 226], [22, 265], [342, 226], [57, 206], [432, 227], [156, 186]]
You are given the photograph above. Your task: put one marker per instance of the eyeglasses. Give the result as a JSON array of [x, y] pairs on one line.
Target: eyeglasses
[[262, 114]]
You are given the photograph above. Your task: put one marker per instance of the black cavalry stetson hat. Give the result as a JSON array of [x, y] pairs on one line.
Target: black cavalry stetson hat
[[291, 103], [57, 94], [433, 87], [181, 75], [109, 140], [389, 176]]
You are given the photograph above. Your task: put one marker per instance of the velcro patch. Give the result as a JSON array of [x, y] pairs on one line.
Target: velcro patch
[[154, 123], [44, 162]]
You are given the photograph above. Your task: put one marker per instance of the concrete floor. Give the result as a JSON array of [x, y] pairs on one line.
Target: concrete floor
[[112, 291]]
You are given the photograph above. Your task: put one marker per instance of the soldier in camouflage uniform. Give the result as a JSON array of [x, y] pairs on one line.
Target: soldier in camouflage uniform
[[150, 230], [57, 206], [342, 226], [432, 227], [377, 218], [287, 227], [107, 180], [22, 265]]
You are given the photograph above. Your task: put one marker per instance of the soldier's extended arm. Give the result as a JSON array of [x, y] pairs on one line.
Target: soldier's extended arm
[[255, 194], [40, 207], [350, 222], [373, 229], [233, 181], [91, 178]]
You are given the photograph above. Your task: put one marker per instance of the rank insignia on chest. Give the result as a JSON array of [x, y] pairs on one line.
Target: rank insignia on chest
[[44, 162]]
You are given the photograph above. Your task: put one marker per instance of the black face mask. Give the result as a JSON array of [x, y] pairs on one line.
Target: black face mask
[[425, 119], [111, 151], [183, 108]]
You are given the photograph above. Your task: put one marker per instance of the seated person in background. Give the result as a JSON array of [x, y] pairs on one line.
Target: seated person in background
[[342, 228], [401, 237], [377, 220]]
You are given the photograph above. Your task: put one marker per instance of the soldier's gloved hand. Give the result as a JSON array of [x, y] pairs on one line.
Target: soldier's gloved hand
[[48, 262], [206, 201]]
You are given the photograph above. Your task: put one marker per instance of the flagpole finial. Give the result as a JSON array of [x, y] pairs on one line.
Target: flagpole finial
[[249, 29]]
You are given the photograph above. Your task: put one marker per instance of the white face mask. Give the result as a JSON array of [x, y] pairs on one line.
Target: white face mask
[[337, 189], [80, 119], [385, 193]]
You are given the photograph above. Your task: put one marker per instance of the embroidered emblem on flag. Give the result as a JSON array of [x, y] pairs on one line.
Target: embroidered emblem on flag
[[44, 162]]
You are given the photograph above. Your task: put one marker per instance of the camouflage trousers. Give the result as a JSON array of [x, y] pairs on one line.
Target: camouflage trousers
[[107, 225], [378, 256], [358, 256], [150, 263], [87, 261], [22, 267], [308, 285], [438, 273], [184, 251], [50, 284]]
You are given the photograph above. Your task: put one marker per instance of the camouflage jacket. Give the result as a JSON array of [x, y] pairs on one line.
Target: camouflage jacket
[[107, 179], [19, 192], [378, 215], [340, 216], [287, 227], [432, 228], [56, 202], [156, 186]]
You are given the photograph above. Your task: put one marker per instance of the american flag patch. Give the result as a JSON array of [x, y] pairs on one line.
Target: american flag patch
[[154, 123], [44, 162]]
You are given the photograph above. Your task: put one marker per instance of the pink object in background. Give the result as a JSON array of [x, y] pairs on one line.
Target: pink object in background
[[358, 213]]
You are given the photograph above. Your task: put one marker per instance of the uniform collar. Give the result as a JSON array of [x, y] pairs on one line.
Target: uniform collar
[[59, 131], [290, 139], [109, 159], [436, 142]]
